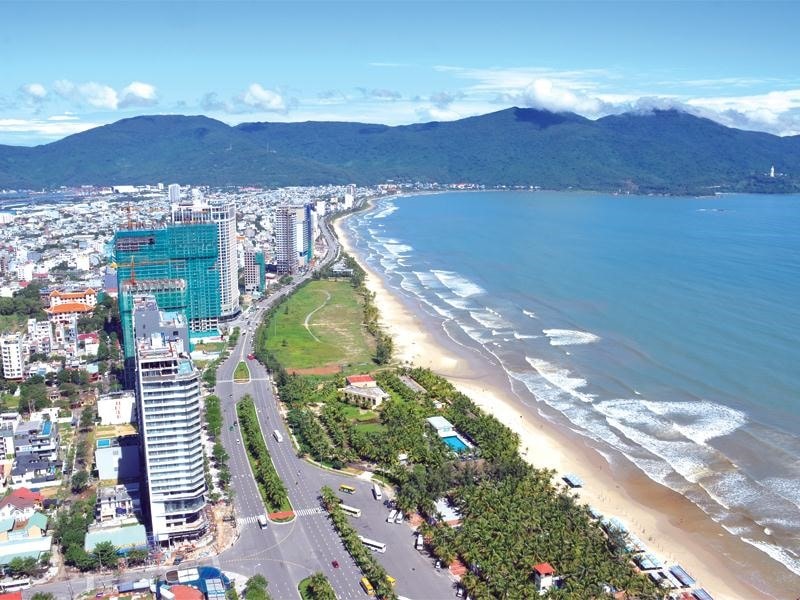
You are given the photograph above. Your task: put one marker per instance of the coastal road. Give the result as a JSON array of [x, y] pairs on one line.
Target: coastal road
[[287, 553]]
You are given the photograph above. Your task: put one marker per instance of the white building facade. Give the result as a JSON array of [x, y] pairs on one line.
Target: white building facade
[[12, 352], [286, 239], [169, 402]]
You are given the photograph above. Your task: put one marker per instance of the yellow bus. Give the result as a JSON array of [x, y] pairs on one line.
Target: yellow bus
[[367, 586], [347, 489]]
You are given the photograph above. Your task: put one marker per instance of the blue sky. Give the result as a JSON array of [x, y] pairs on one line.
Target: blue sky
[[69, 66]]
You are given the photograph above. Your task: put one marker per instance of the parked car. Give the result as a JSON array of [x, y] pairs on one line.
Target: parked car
[[335, 564]]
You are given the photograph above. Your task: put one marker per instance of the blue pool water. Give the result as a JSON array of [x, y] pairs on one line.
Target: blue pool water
[[455, 443]]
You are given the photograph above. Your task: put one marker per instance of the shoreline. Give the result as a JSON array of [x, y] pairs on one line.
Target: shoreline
[[669, 524]]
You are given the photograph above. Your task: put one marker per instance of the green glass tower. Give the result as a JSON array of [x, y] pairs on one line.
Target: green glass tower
[[179, 265]]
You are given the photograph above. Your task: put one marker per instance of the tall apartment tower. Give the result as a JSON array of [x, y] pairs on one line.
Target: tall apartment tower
[[11, 351], [222, 213], [168, 403], [174, 191], [286, 239], [179, 266]]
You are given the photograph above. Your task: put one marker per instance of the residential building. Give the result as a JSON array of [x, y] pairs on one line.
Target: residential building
[[286, 239], [174, 191], [169, 401], [11, 349], [20, 504], [442, 426], [543, 578], [221, 213], [254, 271], [31, 470], [117, 458], [39, 438], [363, 391], [117, 408], [40, 336], [32, 526], [6, 440], [116, 503]]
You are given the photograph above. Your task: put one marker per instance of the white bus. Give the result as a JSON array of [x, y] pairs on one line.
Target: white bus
[[392, 515], [372, 544], [14, 585], [277, 435], [350, 510], [262, 521], [376, 490]]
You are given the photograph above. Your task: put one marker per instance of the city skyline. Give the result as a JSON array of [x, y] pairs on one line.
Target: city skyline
[[393, 63]]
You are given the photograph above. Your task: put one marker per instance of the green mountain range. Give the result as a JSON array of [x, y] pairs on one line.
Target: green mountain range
[[661, 151]]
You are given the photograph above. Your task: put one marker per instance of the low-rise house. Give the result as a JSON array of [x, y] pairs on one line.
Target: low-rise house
[[118, 458], [363, 391], [37, 437], [442, 426], [543, 577], [31, 469], [20, 504], [34, 526], [116, 503]]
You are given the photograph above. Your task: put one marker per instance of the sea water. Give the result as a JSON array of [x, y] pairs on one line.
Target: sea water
[[666, 329]]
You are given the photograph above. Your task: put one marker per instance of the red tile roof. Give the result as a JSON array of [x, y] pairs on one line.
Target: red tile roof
[[544, 569], [11, 596], [21, 498], [359, 379], [68, 307], [186, 592]]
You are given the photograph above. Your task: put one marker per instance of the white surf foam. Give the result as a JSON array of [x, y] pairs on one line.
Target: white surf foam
[[568, 337], [782, 555], [397, 249], [699, 421], [460, 286], [529, 313], [521, 336], [427, 279], [390, 208], [459, 303], [561, 378], [489, 319]]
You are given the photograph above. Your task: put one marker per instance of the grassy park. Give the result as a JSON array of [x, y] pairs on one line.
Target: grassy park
[[320, 328]]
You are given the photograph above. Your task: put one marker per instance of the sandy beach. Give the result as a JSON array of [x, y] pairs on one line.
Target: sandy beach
[[670, 525]]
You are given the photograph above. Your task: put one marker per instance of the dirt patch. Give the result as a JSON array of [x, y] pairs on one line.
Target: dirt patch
[[324, 370]]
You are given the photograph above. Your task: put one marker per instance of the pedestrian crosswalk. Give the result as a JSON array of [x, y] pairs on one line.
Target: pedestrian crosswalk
[[307, 512], [303, 512]]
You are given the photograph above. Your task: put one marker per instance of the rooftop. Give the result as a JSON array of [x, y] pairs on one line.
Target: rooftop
[[68, 307]]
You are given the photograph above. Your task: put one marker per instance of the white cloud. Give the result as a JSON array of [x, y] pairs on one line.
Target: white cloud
[[263, 99], [91, 93], [34, 91], [138, 94], [44, 128], [547, 95]]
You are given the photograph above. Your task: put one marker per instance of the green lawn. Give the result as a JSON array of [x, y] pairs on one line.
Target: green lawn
[[210, 346], [358, 414], [370, 427], [242, 372], [335, 335]]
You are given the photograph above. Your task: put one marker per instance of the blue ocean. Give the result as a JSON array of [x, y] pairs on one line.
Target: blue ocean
[[665, 329]]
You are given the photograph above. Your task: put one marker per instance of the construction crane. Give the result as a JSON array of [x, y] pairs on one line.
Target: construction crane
[[133, 263]]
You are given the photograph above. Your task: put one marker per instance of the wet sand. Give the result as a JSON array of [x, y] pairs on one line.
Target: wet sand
[[671, 526]]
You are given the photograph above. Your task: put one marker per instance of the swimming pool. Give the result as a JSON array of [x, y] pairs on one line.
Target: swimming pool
[[455, 443]]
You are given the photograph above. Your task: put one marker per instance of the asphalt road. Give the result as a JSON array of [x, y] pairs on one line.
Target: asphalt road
[[287, 553]]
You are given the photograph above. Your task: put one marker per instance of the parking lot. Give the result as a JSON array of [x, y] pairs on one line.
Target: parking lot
[[414, 570]]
